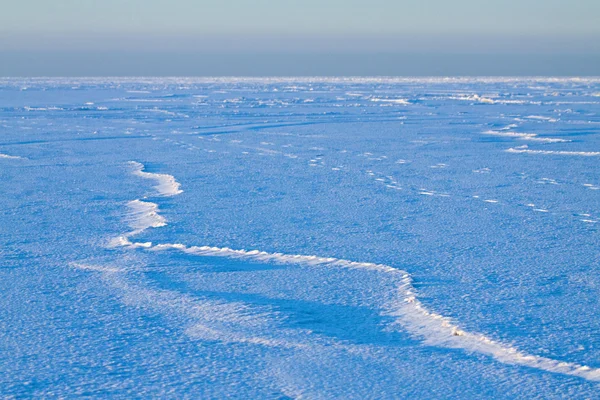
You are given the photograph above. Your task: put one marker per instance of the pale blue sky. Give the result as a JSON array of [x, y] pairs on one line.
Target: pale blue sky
[[536, 17], [301, 26]]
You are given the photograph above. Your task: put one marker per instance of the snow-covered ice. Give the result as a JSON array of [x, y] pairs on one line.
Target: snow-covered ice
[[301, 238]]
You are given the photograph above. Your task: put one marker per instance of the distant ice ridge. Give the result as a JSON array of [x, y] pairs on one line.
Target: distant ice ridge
[[292, 80], [10, 157], [409, 312], [167, 185], [532, 137], [541, 118], [403, 102], [475, 98], [524, 149]]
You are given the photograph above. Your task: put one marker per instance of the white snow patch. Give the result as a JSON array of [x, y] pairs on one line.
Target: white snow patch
[[167, 185], [144, 215], [6, 156]]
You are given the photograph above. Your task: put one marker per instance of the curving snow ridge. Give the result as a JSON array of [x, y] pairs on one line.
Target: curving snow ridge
[[409, 312], [145, 214], [167, 185]]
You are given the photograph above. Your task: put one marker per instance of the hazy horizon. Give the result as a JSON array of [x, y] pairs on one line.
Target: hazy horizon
[[237, 37]]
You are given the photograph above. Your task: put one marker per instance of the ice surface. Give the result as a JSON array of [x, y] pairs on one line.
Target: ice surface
[[304, 238]]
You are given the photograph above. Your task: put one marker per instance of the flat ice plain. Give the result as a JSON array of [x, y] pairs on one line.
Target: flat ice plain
[[300, 238]]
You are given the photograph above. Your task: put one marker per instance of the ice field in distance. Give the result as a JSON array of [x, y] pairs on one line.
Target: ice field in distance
[[300, 238]]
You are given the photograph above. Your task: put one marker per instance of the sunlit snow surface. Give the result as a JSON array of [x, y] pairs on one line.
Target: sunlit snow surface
[[300, 238]]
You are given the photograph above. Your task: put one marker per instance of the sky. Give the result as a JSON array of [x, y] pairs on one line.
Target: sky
[[300, 37]]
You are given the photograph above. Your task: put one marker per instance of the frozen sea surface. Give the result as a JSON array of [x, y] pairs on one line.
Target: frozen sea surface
[[300, 238]]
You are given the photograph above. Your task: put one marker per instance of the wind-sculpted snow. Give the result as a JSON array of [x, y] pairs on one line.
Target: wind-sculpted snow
[[299, 238], [166, 184], [410, 313], [144, 215]]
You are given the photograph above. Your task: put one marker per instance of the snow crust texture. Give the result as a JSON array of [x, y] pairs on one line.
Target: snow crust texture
[[300, 238]]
